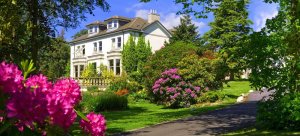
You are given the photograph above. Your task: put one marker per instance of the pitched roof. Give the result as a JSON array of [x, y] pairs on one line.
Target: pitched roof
[[96, 23], [119, 18], [135, 24]]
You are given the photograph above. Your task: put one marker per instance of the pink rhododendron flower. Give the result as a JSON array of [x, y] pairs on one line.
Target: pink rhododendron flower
[[10, 78], [68, 89], [95, 126], [28, 106], [61, 112], [39, 81]]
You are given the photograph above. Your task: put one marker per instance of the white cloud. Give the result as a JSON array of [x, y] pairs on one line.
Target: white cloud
[[261, 17], [135, 6], [142, 13]]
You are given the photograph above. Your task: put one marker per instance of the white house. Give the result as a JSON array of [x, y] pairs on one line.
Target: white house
[[105, 40]]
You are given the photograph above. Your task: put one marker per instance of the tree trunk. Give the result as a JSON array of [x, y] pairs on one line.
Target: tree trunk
[[33, 10]]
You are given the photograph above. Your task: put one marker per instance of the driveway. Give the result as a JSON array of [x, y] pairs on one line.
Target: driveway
[[211, 123]]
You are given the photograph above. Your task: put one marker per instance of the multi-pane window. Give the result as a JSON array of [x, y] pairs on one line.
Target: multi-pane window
[[91, 29], [95, 47], [119, 42], [100, 46], [111, 64], [83, 50], [95, 29], [76, 70], [113, 42], [112, 24], [81, 69], [94, 66], [118, 67]]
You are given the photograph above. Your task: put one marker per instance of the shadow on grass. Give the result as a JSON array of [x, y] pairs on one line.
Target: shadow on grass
[[131, 111]]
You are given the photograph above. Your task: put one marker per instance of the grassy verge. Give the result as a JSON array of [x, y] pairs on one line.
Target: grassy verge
[[142, 114], [255, 132]]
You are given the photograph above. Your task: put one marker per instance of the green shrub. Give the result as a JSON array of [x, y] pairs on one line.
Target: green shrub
[[139, 95], [88, 102], [92, 88], [165, 58], [110, 101], [211, 96], [123, 83], [280, 113], [200, 71]]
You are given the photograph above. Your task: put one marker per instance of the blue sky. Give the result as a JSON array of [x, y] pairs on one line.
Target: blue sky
[[258, 13]]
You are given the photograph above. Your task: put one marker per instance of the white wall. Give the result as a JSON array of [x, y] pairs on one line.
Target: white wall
[[156, 36]]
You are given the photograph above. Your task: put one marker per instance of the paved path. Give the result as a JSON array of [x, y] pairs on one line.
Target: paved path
[[211, 123]]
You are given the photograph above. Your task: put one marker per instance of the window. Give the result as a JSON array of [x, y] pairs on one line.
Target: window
[[76, 71], [95, 47], [119, 42], [94, 66], [113, 42], [77, 52], [95, 29], [100, 46], [83, 50], [81, 69], [91, 29], [118, 67], [111, 65], [112, 24]]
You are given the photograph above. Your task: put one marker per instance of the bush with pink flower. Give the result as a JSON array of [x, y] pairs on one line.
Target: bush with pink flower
[[171, 90], [37, 105]]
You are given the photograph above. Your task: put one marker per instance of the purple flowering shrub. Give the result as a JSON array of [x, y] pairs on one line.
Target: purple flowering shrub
[[171, 90], [38, 105]]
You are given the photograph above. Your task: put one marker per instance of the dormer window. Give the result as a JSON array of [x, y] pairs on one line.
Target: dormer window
[[93, 29], [112, 24]]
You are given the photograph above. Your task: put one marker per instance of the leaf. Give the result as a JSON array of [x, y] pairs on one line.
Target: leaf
[[4, 127], [80, 114]]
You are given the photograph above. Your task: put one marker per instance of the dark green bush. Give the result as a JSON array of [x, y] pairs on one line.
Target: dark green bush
[[123, 83], [110, 101], [92, 88], [211, 97], [88, 102], [280, 113], [165, 58]]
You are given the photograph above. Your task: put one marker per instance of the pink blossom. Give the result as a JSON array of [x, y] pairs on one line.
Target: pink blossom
[[28, 106], [96, 125], [10, 77], [68, 89], [40, 81], [61, 112], [197, 88]]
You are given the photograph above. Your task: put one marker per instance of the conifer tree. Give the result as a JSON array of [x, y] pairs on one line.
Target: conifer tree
[[186, 31], [229, 33]]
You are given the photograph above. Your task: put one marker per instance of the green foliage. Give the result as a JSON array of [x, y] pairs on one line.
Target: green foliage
[[110, 101], [121, 83], [139, 96], [211, 97], [27, 67], [89, 71], [201, 71], [55, 62], [165, 58], [27, 26], [105, 73], [134, 56], [282, 113], [186, 31], [229, 33], [92, 88]]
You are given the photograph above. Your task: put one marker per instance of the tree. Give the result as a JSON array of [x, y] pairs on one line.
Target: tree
[[29, 24], [134, 55], [53, 62], [229, 32], [186, 31], [80, 33], [89, 71]]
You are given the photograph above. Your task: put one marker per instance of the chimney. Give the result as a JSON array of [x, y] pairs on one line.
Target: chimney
[[153, 16]]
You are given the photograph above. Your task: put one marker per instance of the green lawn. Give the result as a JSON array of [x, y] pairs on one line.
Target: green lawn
[[142, 114], [255, 132]]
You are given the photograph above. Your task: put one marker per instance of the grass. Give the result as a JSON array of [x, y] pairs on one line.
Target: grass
[[255, 132], [142, 114]]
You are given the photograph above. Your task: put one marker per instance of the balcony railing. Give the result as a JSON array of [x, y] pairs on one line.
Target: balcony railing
[[93, 81]]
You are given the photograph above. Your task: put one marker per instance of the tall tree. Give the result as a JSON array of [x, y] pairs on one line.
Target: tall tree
[[30, 23], [186, 31], [229, 32]]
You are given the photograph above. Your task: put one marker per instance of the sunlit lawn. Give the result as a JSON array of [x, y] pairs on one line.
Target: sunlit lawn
[[255, 132], [142, 114]]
